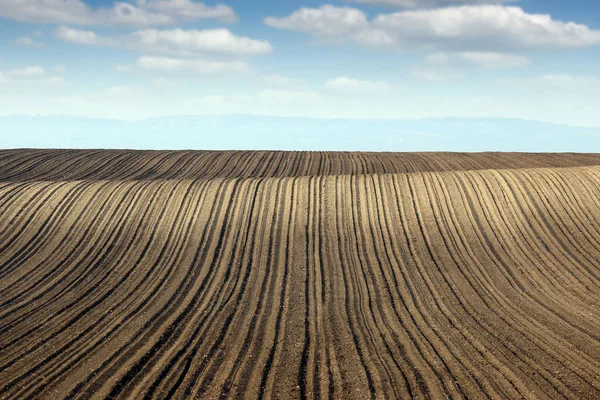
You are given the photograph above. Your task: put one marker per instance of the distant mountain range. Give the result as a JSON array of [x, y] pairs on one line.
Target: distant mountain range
[[284, 133]]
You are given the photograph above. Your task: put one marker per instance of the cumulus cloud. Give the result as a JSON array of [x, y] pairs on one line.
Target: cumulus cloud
[[326, 21], [346, 84], [145, 13], [79, 36], [202, 67], [461, 28], [479, 59], [429, 3], [190, 10], [207, 41], [174, 42], [485, 27]]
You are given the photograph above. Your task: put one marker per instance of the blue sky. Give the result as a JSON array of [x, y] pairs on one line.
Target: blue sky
[[528, 59]]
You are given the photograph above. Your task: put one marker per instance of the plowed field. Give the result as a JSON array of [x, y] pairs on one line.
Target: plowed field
[[157, 274]]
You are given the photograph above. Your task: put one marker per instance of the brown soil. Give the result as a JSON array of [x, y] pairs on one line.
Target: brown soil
[[299, 275]]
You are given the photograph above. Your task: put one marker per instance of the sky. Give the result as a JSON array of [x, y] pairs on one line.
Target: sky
[[131, 60]]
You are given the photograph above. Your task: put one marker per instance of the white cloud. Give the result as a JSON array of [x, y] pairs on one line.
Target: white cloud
[[60, 69], [468, 28], [412, 4], [28, 72], [434, 75], [571, 82], [485, 27], [326, 21], [286, 97], [178, 41], [346, 84], [125, 14], [26, 41], [207, 41], [479, 59], [190, 10], [79, 36], [202, 67], [146, 13], [30, 75], [375, 38]]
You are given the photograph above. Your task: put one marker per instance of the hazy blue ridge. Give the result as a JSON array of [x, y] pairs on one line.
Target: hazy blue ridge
[[245, 132]]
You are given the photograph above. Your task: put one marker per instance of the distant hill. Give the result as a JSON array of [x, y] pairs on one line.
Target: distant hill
[[247, 132]]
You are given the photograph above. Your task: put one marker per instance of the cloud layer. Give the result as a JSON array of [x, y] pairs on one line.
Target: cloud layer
[[33, 74], [142, 14], [178, 41], [202, 67], [345, 84], [429, 3], [479, 59], [220, 41], [467, 28], [326, 21]]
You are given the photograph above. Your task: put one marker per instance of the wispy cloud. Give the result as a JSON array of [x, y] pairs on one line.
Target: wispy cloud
[[33, 74], [435, 75], [345, 84], [80, 36], [572, 82], [27, 41], [479, 59], [202, 67]]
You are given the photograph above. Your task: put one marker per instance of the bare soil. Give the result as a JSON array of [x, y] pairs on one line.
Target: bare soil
[[158, 274]]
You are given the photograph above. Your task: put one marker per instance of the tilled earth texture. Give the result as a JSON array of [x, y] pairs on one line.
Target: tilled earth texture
[[163, 274]]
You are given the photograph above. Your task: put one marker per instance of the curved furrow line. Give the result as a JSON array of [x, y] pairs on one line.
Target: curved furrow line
[[528, 245], [498, 287], [235, 324], [125, 305], [93, 253], [154, 319], [71, 320], [52, 267], [485, 295], [444, 260], [240, 274], [126, 363]]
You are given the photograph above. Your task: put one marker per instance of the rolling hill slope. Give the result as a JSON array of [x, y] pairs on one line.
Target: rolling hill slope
[[299, 275]]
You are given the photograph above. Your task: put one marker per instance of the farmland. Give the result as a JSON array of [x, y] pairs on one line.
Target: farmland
[[131, 274]]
